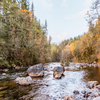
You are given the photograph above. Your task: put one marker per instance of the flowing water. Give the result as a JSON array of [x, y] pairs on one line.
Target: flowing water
[[49, 88]]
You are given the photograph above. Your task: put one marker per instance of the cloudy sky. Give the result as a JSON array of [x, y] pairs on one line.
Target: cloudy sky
[[66, 18]]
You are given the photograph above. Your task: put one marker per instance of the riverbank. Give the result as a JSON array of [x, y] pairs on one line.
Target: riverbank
[[49, 88]]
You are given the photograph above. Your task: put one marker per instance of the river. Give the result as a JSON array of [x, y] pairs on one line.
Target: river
[[49, 88]]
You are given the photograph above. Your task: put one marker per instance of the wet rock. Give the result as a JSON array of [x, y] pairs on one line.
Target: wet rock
[[95, 65], [94, 62], [83, 91], [99, 93], [4, 74], [98, 86], [5, 70], [25, 81], [95, 90], [86, 95], [76, 92], [58, 76], [58, 72], [90, 65], [96, 94], [68, 97], [89, 92], [91, 84], [36, 70], [46, 84], [17, 67], [49, 74], [98, 65]]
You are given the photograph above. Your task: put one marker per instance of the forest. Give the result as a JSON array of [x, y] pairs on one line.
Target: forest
[[23, 40], [34, 68], [84, 48]]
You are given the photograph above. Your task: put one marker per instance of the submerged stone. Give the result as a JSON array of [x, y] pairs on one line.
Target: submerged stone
[[25, 81], [4, 74]]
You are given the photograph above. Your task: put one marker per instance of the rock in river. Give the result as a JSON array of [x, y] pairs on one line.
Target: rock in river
[[36, 70], [91, 84], [76, 92], [3, 74], [68, 97], [25, 81], [58, 72]]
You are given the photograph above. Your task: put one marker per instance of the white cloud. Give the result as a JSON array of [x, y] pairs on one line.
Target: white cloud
[[56, 38], [79, 14], [64, 3], [88, 2], [47, 4]]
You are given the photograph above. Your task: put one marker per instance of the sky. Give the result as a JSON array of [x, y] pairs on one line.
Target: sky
[[65, 18]]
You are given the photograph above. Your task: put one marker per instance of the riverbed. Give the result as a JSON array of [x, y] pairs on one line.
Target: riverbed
[[49, 88]]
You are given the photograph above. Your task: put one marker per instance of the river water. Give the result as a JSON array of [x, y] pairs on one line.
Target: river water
[[49, 88]]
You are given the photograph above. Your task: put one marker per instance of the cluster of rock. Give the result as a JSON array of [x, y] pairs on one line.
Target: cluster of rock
[[94, 64], [38, 71], [95, 88], [4, 71], [94, 91]]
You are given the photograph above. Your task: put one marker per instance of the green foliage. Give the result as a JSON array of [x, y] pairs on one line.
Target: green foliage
[[23, 41]]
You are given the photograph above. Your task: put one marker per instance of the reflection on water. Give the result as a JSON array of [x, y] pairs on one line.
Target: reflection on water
[[48, 88], [92, 74]]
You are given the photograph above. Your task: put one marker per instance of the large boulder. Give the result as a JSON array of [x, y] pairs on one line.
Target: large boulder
[[25, 81], [92, 84], [36, 70], [58, 72]]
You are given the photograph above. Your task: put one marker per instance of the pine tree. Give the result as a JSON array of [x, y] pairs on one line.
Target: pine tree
[[46, 26], [32, 9]]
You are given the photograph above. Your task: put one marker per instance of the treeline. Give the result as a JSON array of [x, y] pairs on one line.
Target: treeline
[[85, 48], [23, 40]]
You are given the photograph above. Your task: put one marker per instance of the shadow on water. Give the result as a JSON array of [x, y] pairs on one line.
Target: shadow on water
[[92, 74]]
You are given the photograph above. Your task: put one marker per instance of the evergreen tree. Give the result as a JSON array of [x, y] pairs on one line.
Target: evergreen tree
[[32, 9]]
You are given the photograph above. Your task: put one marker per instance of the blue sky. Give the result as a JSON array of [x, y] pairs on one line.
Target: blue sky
[[66, 18]]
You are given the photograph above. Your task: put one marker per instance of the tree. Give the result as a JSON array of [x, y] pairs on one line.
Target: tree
[[32, 9]]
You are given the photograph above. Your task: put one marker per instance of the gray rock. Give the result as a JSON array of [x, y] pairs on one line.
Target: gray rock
[[25, 81], [58, 72], [36, 70], [96, 94]]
